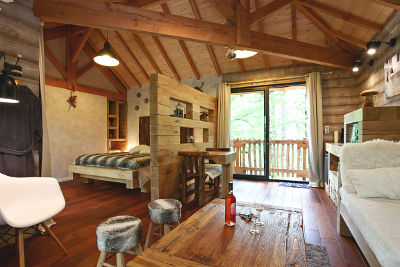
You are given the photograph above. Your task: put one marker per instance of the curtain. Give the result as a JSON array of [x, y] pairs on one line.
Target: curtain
[[224, 116], [46, 160], [315, 131]]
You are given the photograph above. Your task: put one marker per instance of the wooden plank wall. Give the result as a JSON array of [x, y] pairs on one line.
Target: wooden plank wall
[[373, 76], [165, 131], [340, 95], [19, 34]]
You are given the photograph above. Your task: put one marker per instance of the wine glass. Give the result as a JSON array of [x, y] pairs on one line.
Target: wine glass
[[254, 215], [259, 210]]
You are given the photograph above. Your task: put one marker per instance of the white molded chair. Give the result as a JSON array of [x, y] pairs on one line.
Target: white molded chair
[[25, 202]]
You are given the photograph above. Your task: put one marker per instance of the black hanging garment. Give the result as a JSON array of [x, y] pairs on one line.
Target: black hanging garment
[[20, 131]]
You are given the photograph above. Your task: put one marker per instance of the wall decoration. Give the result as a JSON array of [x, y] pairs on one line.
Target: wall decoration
[[392, 76], [136, 107], [146, 100], [138, 95], [72, 99]]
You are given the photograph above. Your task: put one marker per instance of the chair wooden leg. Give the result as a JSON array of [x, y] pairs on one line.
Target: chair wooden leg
[[149, 235], [102, 259], [54, 237], [21, 250], [120, 259]]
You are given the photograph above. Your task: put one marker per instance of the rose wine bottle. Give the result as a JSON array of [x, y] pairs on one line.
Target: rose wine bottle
[[230, 207]]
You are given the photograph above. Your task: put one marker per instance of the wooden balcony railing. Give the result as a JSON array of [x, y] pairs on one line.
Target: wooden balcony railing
[[287, 158]]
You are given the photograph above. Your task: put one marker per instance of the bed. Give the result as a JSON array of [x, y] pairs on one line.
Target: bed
[[131, 168]]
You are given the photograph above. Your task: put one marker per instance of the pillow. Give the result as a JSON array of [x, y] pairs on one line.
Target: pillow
[[382, 182], [140, 149]]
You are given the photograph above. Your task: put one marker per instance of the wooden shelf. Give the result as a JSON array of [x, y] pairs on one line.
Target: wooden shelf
[[117, 113], [117, 139]]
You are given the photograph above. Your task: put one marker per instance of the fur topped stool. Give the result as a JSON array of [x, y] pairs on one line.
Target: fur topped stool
[[165, 213], [118, 235]]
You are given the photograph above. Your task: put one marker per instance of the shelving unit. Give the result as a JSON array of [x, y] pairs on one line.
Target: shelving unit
[[116, 125], [169, 134]]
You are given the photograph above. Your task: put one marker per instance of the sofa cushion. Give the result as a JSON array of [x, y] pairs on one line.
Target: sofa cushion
[[381, 182], [369, 155], [377, 219]]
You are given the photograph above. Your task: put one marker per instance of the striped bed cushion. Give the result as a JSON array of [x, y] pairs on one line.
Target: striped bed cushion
[[124, 160]]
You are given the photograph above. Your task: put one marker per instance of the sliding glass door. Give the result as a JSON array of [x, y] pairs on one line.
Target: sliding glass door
[[269, 132], [249, 132]]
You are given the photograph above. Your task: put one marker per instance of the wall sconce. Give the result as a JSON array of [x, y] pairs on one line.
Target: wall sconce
[[356, 65], [9, 90], [373, 45]]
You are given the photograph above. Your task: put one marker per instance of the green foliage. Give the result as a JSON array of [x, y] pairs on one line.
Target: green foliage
[[287, 111]]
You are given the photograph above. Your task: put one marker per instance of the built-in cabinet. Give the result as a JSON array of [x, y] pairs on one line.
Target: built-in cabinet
[[117, 130]]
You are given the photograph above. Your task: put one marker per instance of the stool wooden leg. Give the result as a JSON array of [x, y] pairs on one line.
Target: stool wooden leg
[[120, 259], [102, 259], [149, 235], [54, 237], [167, 229], [21, 247]]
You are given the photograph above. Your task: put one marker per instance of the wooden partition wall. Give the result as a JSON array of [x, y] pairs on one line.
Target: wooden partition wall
[[166, 130]]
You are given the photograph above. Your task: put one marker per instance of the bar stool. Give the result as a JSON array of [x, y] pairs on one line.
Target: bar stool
[[165, 213], [118, 235]]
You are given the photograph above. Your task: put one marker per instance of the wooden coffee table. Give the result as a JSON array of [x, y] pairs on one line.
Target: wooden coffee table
[[203, 240]]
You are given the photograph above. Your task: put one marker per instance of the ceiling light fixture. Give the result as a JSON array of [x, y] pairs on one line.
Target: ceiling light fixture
[[106, 56], [236, 53], [373, 45], [356, 65]]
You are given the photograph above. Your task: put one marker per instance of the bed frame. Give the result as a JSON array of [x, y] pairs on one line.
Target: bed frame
[[346, 227], [128, 177]]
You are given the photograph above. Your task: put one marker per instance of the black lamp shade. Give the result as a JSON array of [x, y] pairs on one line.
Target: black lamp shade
[[9, 92], [106, 56]]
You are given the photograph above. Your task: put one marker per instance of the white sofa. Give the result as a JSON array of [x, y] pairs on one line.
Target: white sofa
[[373, 222]]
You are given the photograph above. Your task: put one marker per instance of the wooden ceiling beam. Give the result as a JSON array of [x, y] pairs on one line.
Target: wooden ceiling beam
[[146, 52], [81, 44], [225, 9], [321, 25], [182, 44], [54, 33], [107, 72], [84, 88], [166, 58], [350, 39], [348, 17], [142, 70], [264, 11], [241, 65], [261, 27], [294, 26], [121, 61], [84, 69], [210, 50], [55, 61], [395, 4], [91, 13], [139, 3]]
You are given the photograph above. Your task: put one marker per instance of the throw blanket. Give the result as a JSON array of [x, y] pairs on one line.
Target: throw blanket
[[124, 160]]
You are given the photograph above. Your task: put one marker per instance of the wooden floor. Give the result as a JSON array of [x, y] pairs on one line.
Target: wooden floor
[[90, 204]]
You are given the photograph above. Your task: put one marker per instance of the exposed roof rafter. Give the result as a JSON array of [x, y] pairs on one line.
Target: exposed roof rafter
[[348, 17], [166, 58], [264, 11], [185, 50], [261, 27], [142, 70], [91, 13], [211, 52], [146, 52], [122, 62], [388, 3]]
